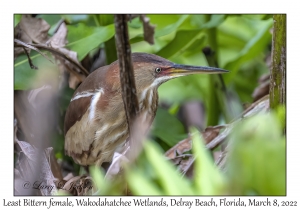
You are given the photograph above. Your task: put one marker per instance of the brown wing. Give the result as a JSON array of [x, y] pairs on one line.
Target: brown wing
[[77, 108], [75, 112], [79, 129]]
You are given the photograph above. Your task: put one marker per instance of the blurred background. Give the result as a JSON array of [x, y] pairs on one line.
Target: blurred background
[[238, 43]]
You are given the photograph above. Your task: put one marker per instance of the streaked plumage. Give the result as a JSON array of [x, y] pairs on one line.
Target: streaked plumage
[[95, 122]]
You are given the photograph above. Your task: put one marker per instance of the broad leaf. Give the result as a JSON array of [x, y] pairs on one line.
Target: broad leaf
[[168, 128], [89, 42]]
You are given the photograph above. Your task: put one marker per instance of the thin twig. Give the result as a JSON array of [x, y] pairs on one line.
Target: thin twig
[[32, 66], [57, 52], [30, 46]]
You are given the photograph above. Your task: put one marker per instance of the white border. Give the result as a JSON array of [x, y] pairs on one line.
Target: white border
[[153, 6]]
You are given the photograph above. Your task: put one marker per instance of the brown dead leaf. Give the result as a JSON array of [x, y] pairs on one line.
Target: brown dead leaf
[[211, 132], [148, 29], [181, 147], [58, 41], [55, 168], [35, 28], [33, 169], [66, 59], [183, 162], [213, 136], [30, 30]]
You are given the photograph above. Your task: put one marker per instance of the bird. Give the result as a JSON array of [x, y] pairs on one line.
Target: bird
[[95, 122]]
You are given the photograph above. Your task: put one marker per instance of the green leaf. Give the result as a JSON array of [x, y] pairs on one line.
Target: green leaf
[[194, 87], [79, 31], [182, 41], [25, 77], [50, 19], [140, 185], [171, 27], [171, 181], [251, 50], [89, 41], [207, 178], [98, 177], [168, 128], [135, 23], [257, 159], [17, 19], [164, 25], [214, 21]]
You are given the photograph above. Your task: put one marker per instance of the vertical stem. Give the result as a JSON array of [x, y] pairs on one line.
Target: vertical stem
[[278, 70], [126, 69], [213, 109]]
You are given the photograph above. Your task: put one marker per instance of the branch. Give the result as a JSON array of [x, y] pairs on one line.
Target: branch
[[126, 70], [32, 66], [278, 69], [19, 43], [36, 47]]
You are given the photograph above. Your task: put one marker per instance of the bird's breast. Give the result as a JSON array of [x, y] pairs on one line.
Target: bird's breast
[[148, 101]]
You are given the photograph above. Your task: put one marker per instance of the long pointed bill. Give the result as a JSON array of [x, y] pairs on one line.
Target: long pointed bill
[[182, 70], [178, 70]]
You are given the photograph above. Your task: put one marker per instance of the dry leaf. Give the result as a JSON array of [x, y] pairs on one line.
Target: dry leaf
[[58, 41], [35, 28], [30, 30], [213, 136], [148, 29], [33, 169], [181, 147], [184, 163], [211, 132]]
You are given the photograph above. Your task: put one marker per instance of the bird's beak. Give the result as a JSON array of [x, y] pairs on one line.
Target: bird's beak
[[178, 70]]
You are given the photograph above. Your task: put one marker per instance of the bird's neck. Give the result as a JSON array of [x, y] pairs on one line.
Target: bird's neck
[[148, 100]]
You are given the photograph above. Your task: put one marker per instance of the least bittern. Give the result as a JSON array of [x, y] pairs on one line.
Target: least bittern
[[95, 122]]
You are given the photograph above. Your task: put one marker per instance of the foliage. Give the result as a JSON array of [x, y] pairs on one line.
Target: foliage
[[257, 154], [241, 44], [254, 160]]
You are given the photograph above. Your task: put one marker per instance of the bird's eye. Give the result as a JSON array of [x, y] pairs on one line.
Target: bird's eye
[[157, 70]]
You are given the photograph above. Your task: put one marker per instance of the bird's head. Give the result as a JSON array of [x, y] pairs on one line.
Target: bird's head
[[152, 70]]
